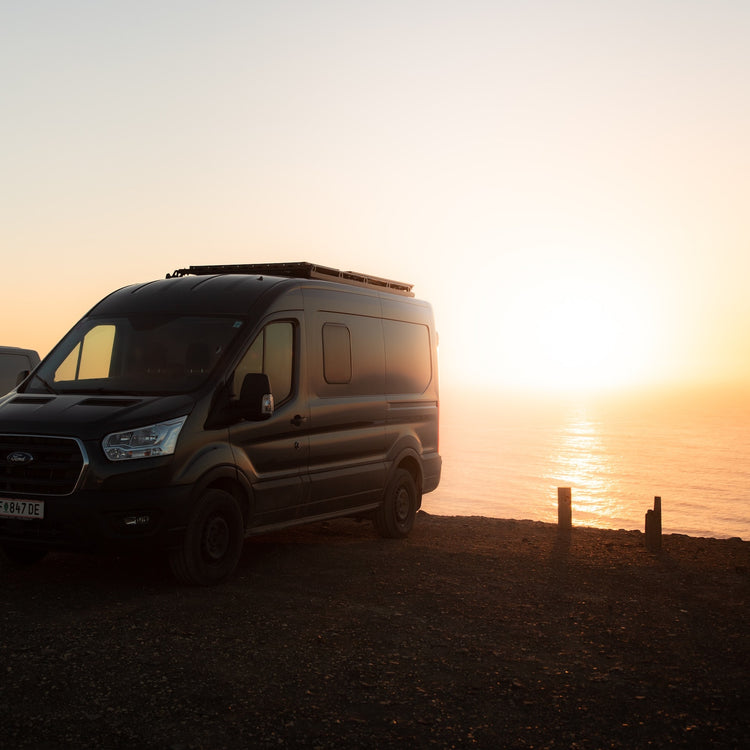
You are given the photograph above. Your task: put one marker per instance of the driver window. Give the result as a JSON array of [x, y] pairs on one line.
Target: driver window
[[271, 353]]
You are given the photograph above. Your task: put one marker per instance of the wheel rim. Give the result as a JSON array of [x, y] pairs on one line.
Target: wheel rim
[[215, 538], [402, 505]]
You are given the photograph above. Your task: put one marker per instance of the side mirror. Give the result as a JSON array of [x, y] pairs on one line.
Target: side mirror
[[22, 376], [256, 399]]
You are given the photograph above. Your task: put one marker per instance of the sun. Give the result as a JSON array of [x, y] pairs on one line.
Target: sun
[[547, 325], [572, 342], [574, 335]]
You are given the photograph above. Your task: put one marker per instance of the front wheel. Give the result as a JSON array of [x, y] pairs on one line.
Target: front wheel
[[394, 519], [213, 541]]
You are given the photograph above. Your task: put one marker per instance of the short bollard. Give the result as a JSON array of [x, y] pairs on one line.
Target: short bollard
[[653, 527], [564, 508]]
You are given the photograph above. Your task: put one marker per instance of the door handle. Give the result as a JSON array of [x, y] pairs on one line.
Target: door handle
[[297, 420]]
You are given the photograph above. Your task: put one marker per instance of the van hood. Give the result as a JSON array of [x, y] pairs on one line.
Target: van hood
[[86, 416]]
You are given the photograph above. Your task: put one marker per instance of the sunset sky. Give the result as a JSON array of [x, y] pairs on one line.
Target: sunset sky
[[567, 182]]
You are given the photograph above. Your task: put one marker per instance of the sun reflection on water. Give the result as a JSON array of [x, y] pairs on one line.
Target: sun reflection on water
[[578, 460], [506, 459]]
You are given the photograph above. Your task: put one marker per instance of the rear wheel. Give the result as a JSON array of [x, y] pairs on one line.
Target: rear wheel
[[20, 556], [394, 519], [213, 541]]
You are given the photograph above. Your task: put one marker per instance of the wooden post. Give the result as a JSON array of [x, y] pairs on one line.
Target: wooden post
[[564, 508], [653, 527]]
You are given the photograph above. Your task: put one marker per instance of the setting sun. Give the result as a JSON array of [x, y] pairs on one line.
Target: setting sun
[[556, 328], [569, 334]]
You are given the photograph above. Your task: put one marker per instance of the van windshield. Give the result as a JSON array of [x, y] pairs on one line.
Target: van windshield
[[138, 354]]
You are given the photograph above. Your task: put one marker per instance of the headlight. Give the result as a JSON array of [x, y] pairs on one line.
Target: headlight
[[145, 442]]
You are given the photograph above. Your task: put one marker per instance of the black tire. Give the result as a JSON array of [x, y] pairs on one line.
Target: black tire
[[394, 518], [212, 545], [19, 556]]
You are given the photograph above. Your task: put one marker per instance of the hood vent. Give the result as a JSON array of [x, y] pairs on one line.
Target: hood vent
[[117, 403]]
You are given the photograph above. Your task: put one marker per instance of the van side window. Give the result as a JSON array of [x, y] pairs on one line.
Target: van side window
[[272, 352], [337, 353], [91, 358], [408, 364]]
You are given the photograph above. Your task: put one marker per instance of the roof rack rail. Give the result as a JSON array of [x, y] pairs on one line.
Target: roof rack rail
[[300, 271]]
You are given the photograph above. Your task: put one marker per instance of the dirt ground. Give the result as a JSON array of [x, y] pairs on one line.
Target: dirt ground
[[474, 632]]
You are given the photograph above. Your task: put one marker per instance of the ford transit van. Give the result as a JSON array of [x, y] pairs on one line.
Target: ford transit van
[[188, 413]]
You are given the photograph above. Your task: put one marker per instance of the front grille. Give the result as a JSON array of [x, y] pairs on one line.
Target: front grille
[[55, 466]]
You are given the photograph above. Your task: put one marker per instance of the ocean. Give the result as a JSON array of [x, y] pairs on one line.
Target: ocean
[[504, 456]]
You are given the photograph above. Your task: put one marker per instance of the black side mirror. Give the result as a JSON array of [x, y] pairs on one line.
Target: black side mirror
[[22, 376], [256, 400]]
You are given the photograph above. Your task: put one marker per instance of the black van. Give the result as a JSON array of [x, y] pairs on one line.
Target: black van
[[223, 401]]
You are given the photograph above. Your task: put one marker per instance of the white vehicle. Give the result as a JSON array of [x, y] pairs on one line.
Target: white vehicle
[[15, 365]]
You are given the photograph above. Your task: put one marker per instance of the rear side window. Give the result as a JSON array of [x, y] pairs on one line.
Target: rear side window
[[337, 353], [408, 364], [272, 352]]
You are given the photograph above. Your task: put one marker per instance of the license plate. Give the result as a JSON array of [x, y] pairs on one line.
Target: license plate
[[26, 509]]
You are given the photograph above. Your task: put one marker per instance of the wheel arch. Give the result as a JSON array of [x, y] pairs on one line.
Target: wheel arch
[[410, 460], [228, 479]]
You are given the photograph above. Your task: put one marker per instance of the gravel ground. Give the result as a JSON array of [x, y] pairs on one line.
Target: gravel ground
[[473, 632]]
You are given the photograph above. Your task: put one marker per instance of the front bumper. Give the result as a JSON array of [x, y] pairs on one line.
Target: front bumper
[[153, 518]]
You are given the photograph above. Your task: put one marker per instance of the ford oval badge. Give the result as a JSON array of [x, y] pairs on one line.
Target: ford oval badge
[[19, 457]]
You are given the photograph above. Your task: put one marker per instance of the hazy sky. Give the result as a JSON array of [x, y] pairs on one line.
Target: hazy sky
[[567, 182]]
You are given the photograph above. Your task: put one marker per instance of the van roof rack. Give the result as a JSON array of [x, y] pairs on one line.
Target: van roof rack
[[300, 271]]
